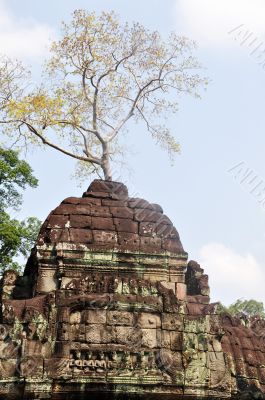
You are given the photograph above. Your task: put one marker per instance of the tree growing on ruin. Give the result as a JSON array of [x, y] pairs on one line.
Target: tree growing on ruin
[[100, 75]]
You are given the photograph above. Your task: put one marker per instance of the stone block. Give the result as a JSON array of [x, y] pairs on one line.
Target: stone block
[[172, 322], [71, 200], [169, 285], [105, 238], [101, 195], [114, 203], [172, 245], [199, 299], [143, 215], [147, 229], [150, 244], [139, 204], [122, 212], [177, 278], [66, 209], [195, 309], [46, 281], [117, 188], [166, 230], [57, 221], [156, 207], [197, 324], [103, 224], [181, 291], [94, 316], [90, 201], [126, 225], [154, 277], [80, 221], [100, 211], [96, 334], [124, 318], [147, 215], [148, 320], [80, 235], [57, 235], [149, 339], [129, 240], [128, 336]]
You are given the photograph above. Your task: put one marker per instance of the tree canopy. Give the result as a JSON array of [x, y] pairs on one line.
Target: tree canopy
[[246, 307], [15, 174], [16, 237], [100, 74]]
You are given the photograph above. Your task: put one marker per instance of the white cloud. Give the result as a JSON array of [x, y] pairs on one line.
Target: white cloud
[[232, 275], [22, 38], [209, 21]]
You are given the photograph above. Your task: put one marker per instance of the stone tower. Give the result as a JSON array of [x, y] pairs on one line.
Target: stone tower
[[108, 307]]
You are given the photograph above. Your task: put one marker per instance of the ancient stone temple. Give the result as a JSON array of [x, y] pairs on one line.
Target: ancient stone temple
[[109, 308]]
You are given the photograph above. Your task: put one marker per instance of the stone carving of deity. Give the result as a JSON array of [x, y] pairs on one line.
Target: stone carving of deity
[[114, 362], [89, 363], [144, 362], [100, 364]]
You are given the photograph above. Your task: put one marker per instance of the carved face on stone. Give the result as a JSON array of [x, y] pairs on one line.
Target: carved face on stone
[[9, 278], [75, 317], [133, 286]]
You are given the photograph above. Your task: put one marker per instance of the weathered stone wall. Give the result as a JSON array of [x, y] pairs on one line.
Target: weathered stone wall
[[108, 306]]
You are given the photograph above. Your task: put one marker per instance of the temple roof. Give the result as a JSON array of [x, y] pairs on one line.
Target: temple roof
[[106, 217]]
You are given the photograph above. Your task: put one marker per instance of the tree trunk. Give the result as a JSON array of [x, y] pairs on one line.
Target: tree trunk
[[106, 163]]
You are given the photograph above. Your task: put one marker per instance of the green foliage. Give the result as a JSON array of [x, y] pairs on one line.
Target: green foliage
[[247, 307], [14, 174], [16, 237]]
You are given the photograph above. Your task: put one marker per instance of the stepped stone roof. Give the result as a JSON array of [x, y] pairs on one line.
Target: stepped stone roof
[[107, 217]]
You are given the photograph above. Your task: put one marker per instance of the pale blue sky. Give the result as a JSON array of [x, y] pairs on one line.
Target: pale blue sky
[[220, 222]]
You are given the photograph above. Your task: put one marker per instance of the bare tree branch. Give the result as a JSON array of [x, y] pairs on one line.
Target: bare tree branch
[[56, 147]]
